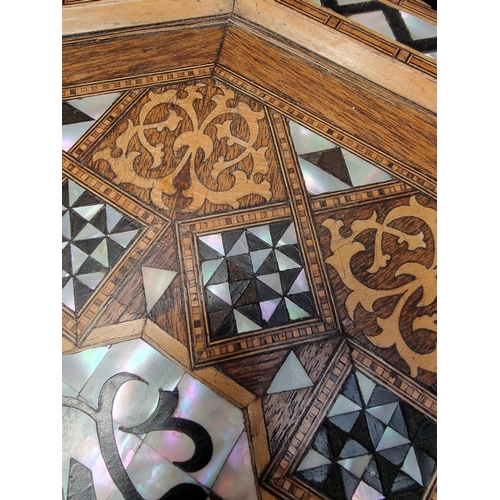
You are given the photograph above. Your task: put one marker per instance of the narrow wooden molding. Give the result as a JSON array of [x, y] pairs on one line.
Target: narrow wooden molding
[[115, 14], [257, 442], [211, 377], [107, 335], [341, 49]]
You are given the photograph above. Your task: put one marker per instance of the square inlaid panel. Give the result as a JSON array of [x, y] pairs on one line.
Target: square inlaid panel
[[254, 279]]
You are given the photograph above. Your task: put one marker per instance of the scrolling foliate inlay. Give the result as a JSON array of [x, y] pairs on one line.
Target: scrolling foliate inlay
[[193, 148], [386, 260]]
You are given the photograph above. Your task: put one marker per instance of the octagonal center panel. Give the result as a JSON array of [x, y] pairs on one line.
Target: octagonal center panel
[[136, 425]]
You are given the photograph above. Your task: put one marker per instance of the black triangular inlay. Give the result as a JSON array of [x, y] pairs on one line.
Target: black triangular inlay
[[361, 434], [288, 278], [249, 296], [381, 396], [351, 390], [66, 259], [255, 243], [336, 437], [252, 312], [413, 419], [236, 288], [99, 221], [279, 316], [278, 229], [304, 300], [269, 266], [91, 266], [214, 303], [220, 275], [387, 473], [124, 224], [65, 194], [71, 115], [206, 252], [331, 161], [86, 199], [228, 329], [321, 444], [292, 252], [77, 223], [115, 251], [81, 292], [88, 246], [236, 273], [426, 464], [404, 483], [216, 319], [242, 261], [266, 293], [230, 238], [316, 477]]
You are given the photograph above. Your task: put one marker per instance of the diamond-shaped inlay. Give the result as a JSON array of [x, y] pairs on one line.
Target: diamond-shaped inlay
[[94, 237], [254, 279], [371, 445]]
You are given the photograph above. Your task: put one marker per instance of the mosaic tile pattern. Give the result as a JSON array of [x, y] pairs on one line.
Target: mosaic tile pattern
[[253, 279], [94, 237], [371, 445], [78, 115], [389, 21], [137, 426], [327, 167]]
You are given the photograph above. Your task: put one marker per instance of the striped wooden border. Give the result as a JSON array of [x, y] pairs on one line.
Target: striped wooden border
[[410, 176]]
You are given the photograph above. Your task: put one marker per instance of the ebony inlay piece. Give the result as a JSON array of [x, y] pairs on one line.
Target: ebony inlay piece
[[94, 237], [371, 445], [254, 279]]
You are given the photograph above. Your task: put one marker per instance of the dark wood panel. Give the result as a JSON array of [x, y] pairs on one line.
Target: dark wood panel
[[373, 116], [85, 61]]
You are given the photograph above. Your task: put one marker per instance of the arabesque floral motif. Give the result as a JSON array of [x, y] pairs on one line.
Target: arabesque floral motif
[[194, 140], [344, 249]]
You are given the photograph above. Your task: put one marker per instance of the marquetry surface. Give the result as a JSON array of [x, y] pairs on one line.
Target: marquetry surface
[[272, 260], [405, 30]]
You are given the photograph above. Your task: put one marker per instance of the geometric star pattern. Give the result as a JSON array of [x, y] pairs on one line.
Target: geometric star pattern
[[326, 167], [371, 445], [389, 21], [94, 237], [254, 279]]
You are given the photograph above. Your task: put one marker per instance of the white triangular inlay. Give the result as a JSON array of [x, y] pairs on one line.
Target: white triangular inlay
[[155, 281], [289, 236], [391, 439], [66, 225], [356, 465], [290, 376], [294, 311], [214, 241], [222, 291], [312, 460], [268, 307], [411, 467], [366, 492], [272, 281], [101, 253], [77, 258], [112, 217], [88, 232], [383, 413], [366, 385], [285, 262], [75, 191], [258, 257], [343, 405], [89, 211], [68, 297], [240, 247], [92, 279], [244, 324], [300, 284], [123, 239], [263, 233]]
